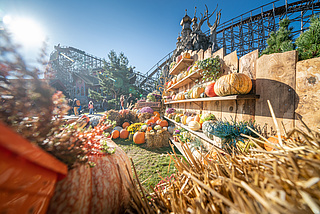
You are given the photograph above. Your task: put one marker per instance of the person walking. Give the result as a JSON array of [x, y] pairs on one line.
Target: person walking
[[90, 107], [76, 106], [104, 104], [130, 101], [70, 104], [121, 102]]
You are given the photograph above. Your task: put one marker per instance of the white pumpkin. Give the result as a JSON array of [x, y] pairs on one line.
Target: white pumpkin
[[188, 120], [194, 125]]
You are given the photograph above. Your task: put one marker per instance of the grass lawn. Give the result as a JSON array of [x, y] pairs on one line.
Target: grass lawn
[[149, 163]]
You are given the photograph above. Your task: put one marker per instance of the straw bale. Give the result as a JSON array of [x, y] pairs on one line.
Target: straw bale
[[157, 139]]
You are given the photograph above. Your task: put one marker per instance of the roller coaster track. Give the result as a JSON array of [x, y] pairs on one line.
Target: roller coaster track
[[249, 31]]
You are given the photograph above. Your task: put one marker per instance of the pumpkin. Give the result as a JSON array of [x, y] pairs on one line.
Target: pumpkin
[[125, 125], [115, 134], [197, 118], [186, 55], [155, 113], [171, 129], [194, 125], [189, 119], [162, 123], [180, 96], [139, 138], [149, 121], [155, 119], [184, 119], [174, 80], [196, 92], [124, 134], [119, 128], [236, 83], [273, 140], [149, 128], [157, 127], [209, 91], [95, 189]]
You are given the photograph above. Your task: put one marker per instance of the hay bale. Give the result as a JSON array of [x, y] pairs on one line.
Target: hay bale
[[157, 139]]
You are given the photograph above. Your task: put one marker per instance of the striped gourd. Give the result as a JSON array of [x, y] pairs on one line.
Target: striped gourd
[[235, 83]]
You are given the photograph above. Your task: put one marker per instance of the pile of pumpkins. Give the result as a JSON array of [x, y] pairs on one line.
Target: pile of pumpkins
[[231, 84], [153, 124], [193, 122]]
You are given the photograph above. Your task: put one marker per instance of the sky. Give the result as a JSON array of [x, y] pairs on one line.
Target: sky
[[145, 31]]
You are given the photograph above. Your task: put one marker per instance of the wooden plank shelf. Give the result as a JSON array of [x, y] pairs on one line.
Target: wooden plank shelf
[[190, 78], [207, 99], [199, 134], [183, 64]]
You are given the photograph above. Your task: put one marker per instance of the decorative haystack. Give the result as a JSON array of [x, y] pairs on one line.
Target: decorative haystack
[[157, 139]]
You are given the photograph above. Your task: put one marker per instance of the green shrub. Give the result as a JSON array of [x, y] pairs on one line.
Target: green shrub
[[308, 43], [280, 41]]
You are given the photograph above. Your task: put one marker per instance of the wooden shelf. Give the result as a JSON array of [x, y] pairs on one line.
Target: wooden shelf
[[199, 134], [183, 64], [207, 99], [192, 77]]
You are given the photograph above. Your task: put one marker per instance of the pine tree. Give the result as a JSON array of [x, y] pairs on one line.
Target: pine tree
[[280, 41], [114, 80], [308, 43]]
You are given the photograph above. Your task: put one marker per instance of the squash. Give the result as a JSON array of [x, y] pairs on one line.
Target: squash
[[197, 118], [155, 113], [236, 83], [124, 134], [157, 127], [194, 125], [189, 119], [171, 129], [174, 80], [98, 189], [180, 96], [184, 119], [197, 91], [115, 134], [209, 91], [119, 128], [177, 118], [125, 125], [162, 123], [139, 138]]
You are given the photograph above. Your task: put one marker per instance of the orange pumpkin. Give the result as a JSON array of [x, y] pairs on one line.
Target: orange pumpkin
[[235, 83], [139, 138], [125, 125], [115, 134], [162, 123], [155, 118], [273, 140], [149, 128], [124, 134], [102, 185], [149, 121], [155, 113]]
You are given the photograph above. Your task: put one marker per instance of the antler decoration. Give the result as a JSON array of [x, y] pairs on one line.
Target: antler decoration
[[205, 17], [218, 16]]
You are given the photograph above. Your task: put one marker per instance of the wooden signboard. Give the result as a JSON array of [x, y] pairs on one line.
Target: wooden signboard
[[231, 63]]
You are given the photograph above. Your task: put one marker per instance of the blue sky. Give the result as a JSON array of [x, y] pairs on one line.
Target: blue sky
[[144, 30]]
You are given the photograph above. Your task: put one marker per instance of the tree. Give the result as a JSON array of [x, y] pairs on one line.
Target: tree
[[308, 43], [282, 40], [114, 79]]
